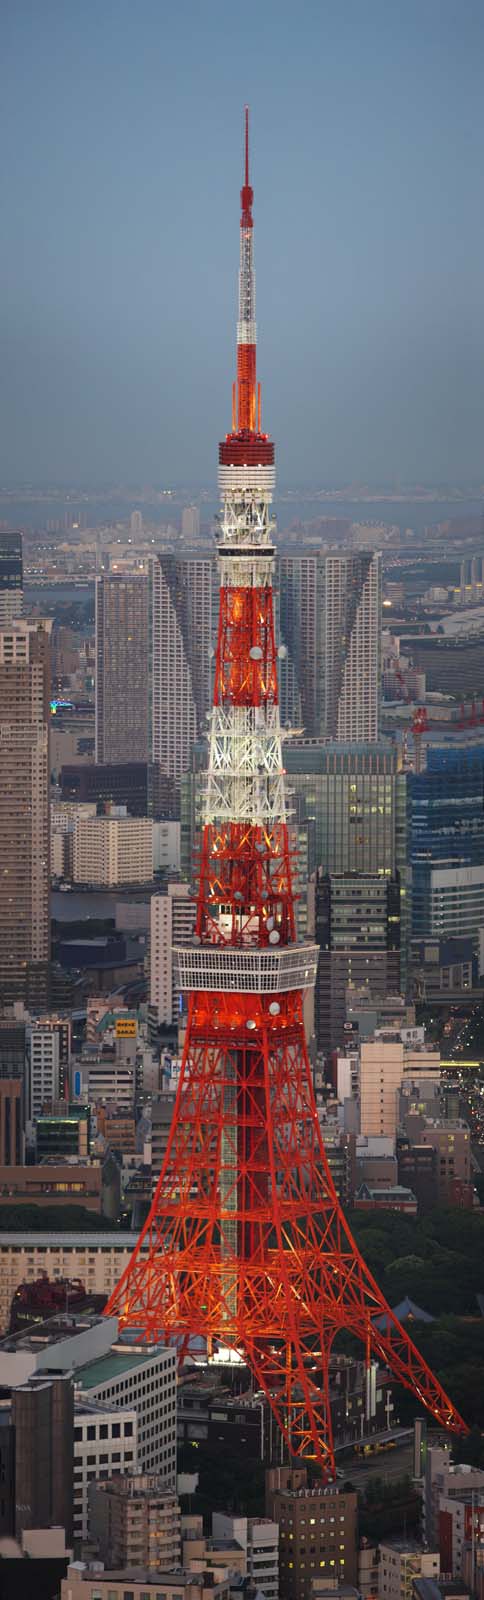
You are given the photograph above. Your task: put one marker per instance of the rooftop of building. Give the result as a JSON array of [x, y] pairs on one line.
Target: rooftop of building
[[92, 1238], [391, 1191], [140, 1485], [97, 1408], [178, 1577], [113, 1365], [317, 1492], [410, 1547], [51, 1331], [440, 1588]]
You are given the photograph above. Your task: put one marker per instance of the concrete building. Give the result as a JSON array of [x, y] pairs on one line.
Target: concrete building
[[139, 1378], [11, 576], [259, 1539], [299, 587], [113, 850], [461, 1526], [121, 667], [93, 1583], [143, 1376], [317, 1531], [107, 1079], [381, 1074], [166, 846], [401, 1561], [352, 646], [43, 1081], [172, 921], [105, 1444], [53, 1183], [182, 620], [138, 785], [43, 1421], [97, 1259], [442, 1478], [190, 522], [136, 1521], [11, 1122], [385, 1061], [24, 805], [448, 1144], [356, 919]]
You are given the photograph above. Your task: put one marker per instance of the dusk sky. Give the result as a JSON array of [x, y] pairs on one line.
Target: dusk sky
[[121, 157]]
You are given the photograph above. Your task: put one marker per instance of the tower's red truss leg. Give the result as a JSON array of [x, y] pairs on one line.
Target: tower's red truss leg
[[246, 1240]]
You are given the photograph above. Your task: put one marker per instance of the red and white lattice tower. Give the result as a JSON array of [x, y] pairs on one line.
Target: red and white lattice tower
[[246, 1241]]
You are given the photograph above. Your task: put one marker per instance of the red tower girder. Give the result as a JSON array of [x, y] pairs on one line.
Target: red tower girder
[[246, 1241]]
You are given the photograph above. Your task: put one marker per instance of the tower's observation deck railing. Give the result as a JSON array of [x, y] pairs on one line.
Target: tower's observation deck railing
[[245, 971]]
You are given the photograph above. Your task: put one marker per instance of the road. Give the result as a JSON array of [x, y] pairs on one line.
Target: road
[[387, 1464]]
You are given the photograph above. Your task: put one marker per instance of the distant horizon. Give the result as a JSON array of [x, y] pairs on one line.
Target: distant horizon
[[470, 489], [120, 208]]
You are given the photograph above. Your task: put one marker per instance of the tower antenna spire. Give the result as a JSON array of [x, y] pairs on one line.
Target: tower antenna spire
[[247, 147], [246, 193]]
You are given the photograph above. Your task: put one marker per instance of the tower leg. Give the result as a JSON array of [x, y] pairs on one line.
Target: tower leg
[[294, 1377]]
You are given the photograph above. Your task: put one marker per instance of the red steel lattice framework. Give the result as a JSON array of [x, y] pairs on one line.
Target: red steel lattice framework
[[246, 1241]]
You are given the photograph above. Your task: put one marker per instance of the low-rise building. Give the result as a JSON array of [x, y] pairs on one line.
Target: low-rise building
[[136, 1521], [317, 1531], [105, 1442], [97, 1259], [258, 1537], [94, 1583], [53, 1183], [401, 1561]]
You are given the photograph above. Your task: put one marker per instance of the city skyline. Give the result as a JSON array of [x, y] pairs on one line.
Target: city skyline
[[116, 284]]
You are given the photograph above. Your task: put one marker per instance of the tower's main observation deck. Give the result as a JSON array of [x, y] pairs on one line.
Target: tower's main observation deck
[[246, 1239]]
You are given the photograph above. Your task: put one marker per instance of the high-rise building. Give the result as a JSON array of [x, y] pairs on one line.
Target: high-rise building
[[172, 920], [349, 793], [43, 1068], [121, 667], [190, 522], [446, 841], [24, 803], [299, 588], [352, 645], [11, 576], [182, 622], [357, 926]]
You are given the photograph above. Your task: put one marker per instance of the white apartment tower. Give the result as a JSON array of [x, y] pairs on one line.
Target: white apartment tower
[[182, 613], [111, 850], [352, 646], [172, 920], [43, 1067]]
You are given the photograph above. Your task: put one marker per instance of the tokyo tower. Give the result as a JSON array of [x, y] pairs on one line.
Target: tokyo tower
[[246, 1241]]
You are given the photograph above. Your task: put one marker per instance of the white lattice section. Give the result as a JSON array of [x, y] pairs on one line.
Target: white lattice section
[[245, 971], [245, 781]]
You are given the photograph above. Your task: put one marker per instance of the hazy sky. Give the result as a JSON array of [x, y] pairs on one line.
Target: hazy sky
[[121, 153]]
